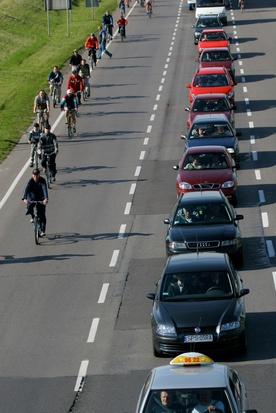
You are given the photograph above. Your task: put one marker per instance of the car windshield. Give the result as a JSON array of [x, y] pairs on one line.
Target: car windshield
[[203, 285], [202, 214], [210, 105], [209, 3], [211, 80], [210, 130], [185, 400], [203, 161], [215, 56]]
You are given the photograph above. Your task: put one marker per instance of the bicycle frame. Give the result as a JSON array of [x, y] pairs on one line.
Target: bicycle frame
[[36, 220], [55, 93], [70, 124], [42, 118], [48, 171]]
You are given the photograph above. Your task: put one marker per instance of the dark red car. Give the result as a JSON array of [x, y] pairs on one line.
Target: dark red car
[[212, 80], [219, 57], [204, 168], [211, 103]]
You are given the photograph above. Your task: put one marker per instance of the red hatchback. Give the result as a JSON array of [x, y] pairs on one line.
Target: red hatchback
[[212, 80], [213, 38], [211, 103], [205, 168]]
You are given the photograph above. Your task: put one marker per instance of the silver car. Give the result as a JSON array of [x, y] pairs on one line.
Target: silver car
[[191, 383]]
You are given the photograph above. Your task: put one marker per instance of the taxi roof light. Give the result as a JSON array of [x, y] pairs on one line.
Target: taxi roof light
[[191, 359]]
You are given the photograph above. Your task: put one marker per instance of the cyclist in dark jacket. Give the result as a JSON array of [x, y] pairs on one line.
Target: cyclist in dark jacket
[[36, 190], [107, 22], [33, 140], [48, 144]]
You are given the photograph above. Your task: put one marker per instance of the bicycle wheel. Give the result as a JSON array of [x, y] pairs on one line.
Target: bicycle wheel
[[54, 97], [150, 12], [36, 229], [70, 127], [48, 176]]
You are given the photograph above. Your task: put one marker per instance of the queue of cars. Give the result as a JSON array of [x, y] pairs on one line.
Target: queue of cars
[[198, 302]]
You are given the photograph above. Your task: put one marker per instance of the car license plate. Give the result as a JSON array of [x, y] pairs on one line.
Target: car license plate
[[198, 338]]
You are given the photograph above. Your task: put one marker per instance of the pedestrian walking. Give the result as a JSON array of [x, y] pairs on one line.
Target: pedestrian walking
[[102, 43]]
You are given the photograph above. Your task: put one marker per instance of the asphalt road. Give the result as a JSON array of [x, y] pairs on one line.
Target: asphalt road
[[75, 307]]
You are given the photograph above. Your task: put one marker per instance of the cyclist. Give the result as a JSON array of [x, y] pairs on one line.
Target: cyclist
[[75, 60], [122, 6], [107, 22], [33, 139], [149, 3], [75, 83], [91, 44], [55, 78], [84, 72], [69, 102], [48, 144], [122, 23], [36, 190], [42, 103]]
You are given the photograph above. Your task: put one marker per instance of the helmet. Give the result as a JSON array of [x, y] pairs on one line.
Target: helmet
[[69, 91], [36, 171]]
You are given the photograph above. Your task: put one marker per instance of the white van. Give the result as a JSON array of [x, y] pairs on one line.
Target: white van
[[212, 7]]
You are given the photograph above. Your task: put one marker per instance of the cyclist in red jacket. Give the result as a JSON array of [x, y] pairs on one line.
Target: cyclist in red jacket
[[75, 83]]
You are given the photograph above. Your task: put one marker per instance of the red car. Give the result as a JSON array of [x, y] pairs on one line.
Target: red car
[[218, 57], [210, 38], [210, 103], [204, 168], [212, 80]]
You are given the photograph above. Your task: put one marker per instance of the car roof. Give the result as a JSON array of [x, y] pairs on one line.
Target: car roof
[[210, 95], [211, 70], [216, 49], [205, 149], [199, 196], [213, 31], [216, 117], [177, 377]]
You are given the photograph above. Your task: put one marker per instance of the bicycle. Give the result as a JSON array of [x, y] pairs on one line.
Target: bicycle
[[122, 29], [86, 91], [36, 157], [36, 220], [42, 118], [71, 127], [122, 7], [48, 172], [149, 9], [55, 93], [92, 56]]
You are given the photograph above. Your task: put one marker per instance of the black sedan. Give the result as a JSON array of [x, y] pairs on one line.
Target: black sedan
[[198, 306], [203, 23], [204, 221]]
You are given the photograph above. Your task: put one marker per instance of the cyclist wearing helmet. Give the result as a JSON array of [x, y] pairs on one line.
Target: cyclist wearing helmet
[[69, 102], [75, 83]]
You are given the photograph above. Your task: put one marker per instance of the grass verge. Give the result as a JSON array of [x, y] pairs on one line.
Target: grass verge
[[29, 53]]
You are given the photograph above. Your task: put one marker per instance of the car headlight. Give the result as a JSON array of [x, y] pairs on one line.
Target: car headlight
[[177, 245], [231, 150], [228, 184], [228, 242], [185, 185], [197, 34], [233, 325], [164, 330]]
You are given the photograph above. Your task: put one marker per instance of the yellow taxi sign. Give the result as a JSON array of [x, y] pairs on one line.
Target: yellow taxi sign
[[191, 359]]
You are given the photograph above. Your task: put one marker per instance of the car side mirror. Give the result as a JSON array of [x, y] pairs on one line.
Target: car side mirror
[[234, 58], [188, 86], [176, 167], [151, 296], [234, 107], [234, 83], [238, 217], [230, 39], [183, 137], [244, 291], [238, 133], [187, 109], [197, 60], [167, 221]]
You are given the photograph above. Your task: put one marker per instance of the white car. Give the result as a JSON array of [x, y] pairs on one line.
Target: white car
[[191, 383]]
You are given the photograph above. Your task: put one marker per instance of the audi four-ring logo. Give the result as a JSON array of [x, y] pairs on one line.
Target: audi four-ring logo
[[204, 244]]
